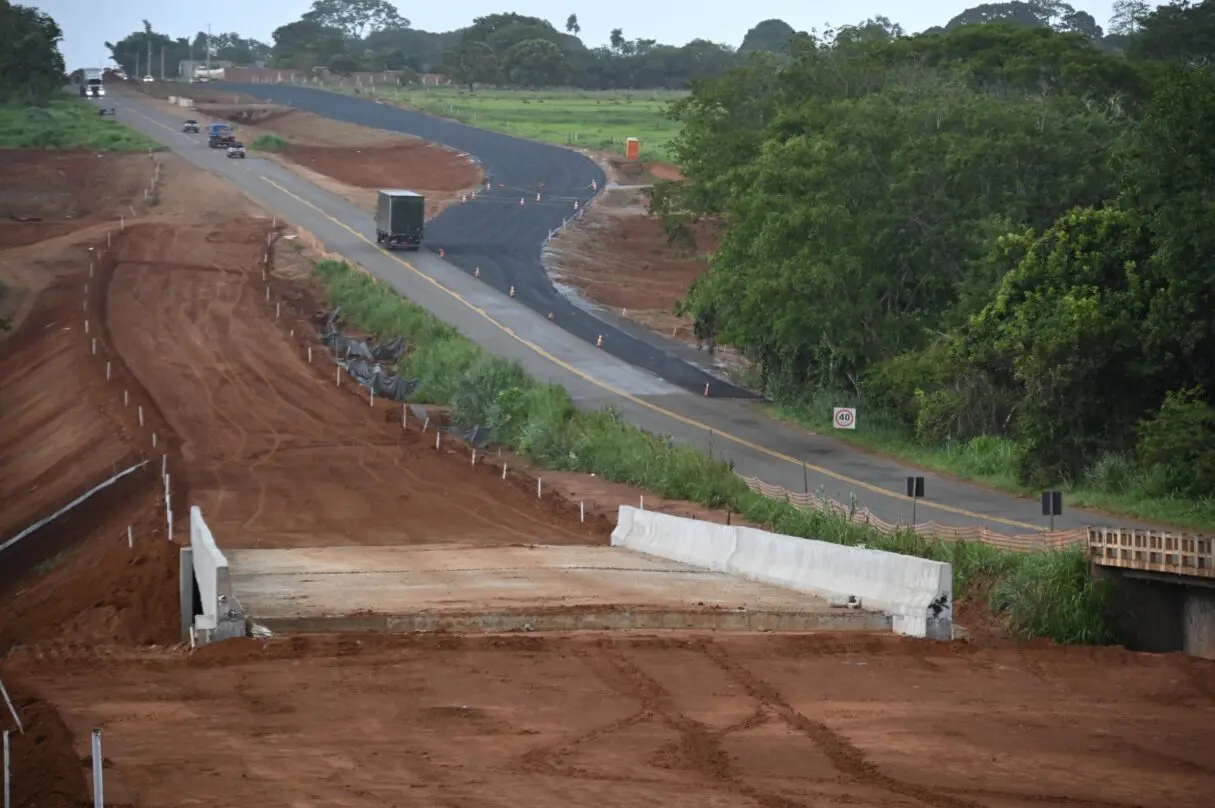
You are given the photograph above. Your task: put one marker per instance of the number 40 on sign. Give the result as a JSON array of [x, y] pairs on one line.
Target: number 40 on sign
[[844, 417]]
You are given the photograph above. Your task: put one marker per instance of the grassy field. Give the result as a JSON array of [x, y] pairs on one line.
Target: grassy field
[[67, 124], [1113, 484], [589, 119], [1047, 594]]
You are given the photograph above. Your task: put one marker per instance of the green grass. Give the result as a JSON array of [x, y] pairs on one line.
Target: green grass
[[582, 118], [67, 124], [1113, 484], [270, 143], [1047, 594]]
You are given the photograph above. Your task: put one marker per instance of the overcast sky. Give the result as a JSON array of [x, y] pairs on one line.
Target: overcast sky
[[88, 26]]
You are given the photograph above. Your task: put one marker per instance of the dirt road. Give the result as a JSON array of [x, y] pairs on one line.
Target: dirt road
[[628, 720]]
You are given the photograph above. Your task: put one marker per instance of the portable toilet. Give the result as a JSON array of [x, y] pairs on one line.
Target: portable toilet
[[632, 148]]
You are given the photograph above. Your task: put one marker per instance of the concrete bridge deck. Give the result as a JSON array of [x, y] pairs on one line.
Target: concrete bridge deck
[[529, 588]]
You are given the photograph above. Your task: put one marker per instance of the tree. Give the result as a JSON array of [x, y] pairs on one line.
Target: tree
[[31, 66], [618, 42], [356, 18], [572, 26], [1128, 16], [534, 63], [306, 43], [1180, 33], [471, 63], [770, 35]]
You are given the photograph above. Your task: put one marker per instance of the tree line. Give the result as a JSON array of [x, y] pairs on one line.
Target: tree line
[[31, 66], [989, 231], [346, 36]]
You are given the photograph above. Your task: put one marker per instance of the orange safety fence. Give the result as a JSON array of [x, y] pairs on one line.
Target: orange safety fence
[[1026, 542]]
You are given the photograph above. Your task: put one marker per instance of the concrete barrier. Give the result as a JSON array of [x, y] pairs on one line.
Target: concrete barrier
[[915, 592], [221, 616]]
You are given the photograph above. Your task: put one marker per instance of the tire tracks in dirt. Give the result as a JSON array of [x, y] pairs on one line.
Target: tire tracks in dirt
[[846, 757]]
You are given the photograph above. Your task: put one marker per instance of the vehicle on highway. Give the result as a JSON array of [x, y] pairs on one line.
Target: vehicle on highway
[[148, 79], [220, 136], [236, 150], [107, 111], [88, 82], [190, 126], [400, 217]]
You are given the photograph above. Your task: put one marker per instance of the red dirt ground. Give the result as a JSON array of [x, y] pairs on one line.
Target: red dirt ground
[[624, 720], [277, 455], [619, 257]]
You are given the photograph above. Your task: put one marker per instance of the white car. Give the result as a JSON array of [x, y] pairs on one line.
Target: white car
[[148, 78]]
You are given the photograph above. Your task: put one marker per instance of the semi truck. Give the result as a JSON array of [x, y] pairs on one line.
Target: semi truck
[[400, 217], [89, 82]]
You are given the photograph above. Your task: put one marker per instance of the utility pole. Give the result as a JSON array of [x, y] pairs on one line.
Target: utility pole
[[208, 50], [149, 58], [162, 63], [137, 75], [192, 70]]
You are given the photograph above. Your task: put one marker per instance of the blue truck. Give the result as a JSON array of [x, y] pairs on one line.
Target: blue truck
[[220, 135]]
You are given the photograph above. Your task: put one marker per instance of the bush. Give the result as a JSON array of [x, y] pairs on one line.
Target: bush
[[1180, 440], [270, 143], [540, 422]]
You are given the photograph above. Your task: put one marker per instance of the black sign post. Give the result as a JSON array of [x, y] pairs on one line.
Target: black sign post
[[1052, 506], [915, 490]]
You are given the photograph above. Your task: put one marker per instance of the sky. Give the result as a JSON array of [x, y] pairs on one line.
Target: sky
[[88, 26]]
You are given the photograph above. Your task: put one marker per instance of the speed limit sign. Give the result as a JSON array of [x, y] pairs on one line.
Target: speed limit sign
[[845, 418]]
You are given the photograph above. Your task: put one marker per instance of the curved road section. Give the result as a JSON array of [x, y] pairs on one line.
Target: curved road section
[[503, 230]]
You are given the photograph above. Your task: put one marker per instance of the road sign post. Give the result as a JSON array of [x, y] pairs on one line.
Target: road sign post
[[1052, 506], [915, 490], [844, 417]]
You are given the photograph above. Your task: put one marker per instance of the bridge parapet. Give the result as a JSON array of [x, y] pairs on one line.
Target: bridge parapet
[[1153, 551]]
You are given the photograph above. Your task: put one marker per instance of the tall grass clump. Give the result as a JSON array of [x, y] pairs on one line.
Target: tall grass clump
[[1042, 595], [67, 124], [270, 143]]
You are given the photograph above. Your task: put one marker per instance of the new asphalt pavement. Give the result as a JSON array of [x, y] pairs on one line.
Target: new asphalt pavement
[[728, 428], [503, 229]]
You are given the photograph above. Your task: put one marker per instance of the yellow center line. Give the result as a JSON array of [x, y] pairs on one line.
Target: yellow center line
[[683, 419]]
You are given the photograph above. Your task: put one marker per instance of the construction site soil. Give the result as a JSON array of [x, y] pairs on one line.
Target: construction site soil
[[278, 454]]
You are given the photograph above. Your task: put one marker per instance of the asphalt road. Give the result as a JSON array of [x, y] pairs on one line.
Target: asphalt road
[[729, 429], [500, 236]]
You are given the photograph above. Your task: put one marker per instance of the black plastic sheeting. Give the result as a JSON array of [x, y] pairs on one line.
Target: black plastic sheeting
[[370, 363]]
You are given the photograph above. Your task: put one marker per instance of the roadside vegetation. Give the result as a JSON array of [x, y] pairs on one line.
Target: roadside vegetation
[[993, 240], [1039, 594], [67, 123], [270, 143]]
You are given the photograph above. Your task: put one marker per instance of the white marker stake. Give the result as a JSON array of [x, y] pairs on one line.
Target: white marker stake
[[438, 435], [404, 415], [107, 371], [310, 354], [153, 440], [538, 494], [130, 537], [426, 423], [370, 397], [126, 397], [94, 346], [164, 468], [141, 415], [267, 294], [107, 239], [337, 377], [12, 710], [582, 510], [98, 789], [278, 307], [504, 471], [86, 326], [642, 502]]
